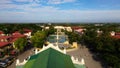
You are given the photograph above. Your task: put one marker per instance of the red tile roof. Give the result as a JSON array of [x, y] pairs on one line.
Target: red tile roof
[[27, 30], [2, 44], [117, 33], [4, 37], [15, 37], [76, 27], [13, 40], [116, 36], [1, 32], [17, 34]]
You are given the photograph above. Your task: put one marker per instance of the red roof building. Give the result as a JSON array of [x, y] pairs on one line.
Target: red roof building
[[15, 36], [78, 29], [4, 38], [1, 32], [16, 33], [117, 36], [27, 30], [3, 44], [12, 38], [117, 33]]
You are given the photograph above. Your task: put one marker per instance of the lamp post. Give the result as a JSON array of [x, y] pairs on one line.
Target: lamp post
[[57, 38]]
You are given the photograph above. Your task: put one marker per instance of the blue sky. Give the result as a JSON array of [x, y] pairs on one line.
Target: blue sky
[[13, 11]]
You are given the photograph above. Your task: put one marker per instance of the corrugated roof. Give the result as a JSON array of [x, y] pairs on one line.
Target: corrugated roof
[[50, 58]]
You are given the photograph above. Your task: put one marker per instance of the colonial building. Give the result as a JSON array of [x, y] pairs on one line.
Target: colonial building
[[51, 57]]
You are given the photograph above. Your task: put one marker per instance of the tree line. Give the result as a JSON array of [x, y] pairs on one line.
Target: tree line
[[103, 45], [10, 28]]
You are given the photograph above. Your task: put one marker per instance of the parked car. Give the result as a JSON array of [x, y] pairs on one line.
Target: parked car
[[9, 60], [3, 64]]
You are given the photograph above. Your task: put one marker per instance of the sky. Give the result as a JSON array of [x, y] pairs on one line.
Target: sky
[[39, 11]]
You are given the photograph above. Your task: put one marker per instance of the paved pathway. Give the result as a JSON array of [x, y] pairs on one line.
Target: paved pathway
[[84, 53]]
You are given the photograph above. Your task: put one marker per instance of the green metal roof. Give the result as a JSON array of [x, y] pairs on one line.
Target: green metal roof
[[50, 58]]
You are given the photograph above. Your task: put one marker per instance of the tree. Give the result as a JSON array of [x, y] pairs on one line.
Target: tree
[[73, 37], [51, 30], [10, 28], [20, 43], [38, 39], [111, 59]]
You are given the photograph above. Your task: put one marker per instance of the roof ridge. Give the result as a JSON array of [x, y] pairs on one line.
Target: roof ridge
[[48, 57]]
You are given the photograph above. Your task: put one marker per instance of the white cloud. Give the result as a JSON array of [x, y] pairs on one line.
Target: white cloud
[[35, 12], [69, 0], [52, 14], [12, 6], [5, 1], [59, 1], [55, 1], [24, 0]]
